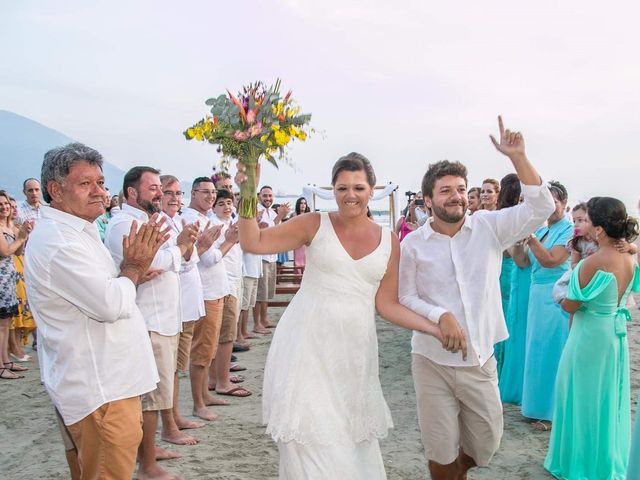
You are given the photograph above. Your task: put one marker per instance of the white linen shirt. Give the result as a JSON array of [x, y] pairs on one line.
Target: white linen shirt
[[191, 297], [232, 260], [158, 299], [251, 265], [93, 345], [213, 274], [460, 275], [268, 216]]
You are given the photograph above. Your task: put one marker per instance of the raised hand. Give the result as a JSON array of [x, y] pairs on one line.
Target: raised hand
[[231, 235], [188, 236], [511, 143], [283, 210], [209, 235], [24, 229], [241, 176]]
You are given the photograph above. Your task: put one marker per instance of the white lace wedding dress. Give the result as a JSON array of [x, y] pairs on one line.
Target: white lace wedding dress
[[322, 400]]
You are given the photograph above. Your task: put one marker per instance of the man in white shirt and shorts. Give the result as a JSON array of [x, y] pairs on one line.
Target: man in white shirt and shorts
[[94, 352], [449, 273]]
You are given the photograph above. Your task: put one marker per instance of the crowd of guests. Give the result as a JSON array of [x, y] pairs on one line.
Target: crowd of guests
[[566, 359], [152, 261], [194, 298]]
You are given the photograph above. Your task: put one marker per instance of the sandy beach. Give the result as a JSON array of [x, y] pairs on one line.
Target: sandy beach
[[234, 447]]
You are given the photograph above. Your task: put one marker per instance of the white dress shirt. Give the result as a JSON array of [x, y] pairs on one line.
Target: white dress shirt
[[268, 216], [460, 275], [232, 260], [213, 274], [158, 299], [27, 212], [93, 345], [251, 265], [191, 296]]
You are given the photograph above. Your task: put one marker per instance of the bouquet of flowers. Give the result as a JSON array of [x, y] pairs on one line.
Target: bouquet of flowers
[[257, 122]]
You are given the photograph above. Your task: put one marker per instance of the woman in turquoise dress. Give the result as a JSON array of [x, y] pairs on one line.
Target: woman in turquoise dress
[[509, 196], [512, 373], [547, 323], [591, 417]]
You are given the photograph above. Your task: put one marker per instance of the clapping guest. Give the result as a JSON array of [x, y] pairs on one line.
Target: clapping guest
[[159, 301], [298, 254], [11, 242], [192, 306], [21, 324], [29, 209], [95, 353], [489, 194]]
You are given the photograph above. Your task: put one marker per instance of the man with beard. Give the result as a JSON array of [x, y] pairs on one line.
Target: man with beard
[[267, 283], [449, 273], [159, 301], [29, 209]]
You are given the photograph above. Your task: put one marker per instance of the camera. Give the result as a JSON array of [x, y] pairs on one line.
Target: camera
[[410, 194], [419, 202]]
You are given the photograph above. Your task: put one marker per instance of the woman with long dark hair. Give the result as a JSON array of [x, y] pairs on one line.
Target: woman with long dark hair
[[299, 259], [592, 415]]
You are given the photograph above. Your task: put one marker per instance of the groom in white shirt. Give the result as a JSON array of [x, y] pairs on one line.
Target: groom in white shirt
[[449, 273]]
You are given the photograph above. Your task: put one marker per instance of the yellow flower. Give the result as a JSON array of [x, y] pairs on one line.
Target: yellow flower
[[191, 133], [275, 127], [281, 138]]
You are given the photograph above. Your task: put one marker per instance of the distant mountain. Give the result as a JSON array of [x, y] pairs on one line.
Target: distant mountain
[[23, 143]]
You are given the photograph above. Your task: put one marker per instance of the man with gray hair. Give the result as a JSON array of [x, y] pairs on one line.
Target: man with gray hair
[[94, 352]]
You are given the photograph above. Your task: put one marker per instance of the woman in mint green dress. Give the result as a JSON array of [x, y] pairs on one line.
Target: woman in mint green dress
[[634, 456], [591, 418]]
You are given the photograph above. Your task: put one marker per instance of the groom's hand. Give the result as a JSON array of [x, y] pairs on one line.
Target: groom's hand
[[452, 334]]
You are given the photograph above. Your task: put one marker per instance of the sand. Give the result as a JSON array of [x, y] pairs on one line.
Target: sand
[[234, 447]]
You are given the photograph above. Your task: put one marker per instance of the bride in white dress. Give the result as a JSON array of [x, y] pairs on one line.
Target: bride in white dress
[[322, 400]]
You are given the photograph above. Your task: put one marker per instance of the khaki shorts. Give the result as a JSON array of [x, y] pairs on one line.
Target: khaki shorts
[[107, 439], [249, 292], [184, 345], [267, 282], [165, 351], [229, 327], [458, 407], [206, 333]]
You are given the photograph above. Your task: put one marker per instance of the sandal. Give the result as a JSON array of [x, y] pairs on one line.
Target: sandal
[[541, 426], [13, 376], [236, 379], [237, 368], [14, 367], [236, 392]]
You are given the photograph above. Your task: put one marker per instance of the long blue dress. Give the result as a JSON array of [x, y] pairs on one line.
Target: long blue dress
[[592, 414], [512, 373], [547, 327], [505, 291], [633, 473]]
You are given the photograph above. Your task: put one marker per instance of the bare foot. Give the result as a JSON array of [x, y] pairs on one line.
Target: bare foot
[[261, 330], [249, 336], [178, 438], [156, 473], [210, 400], [184, 424], [541, 426], [164, 454], [269, 325], [204, 413]]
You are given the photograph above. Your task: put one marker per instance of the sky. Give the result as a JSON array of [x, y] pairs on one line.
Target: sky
[[404, 83]]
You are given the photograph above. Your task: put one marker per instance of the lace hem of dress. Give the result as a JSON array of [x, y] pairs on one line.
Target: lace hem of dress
[[284, 434]]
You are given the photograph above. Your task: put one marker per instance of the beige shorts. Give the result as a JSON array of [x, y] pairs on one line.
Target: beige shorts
[[184, 345], [267, 282], [229, 326], [165, 351], [249, 292], [206, 333], [458, 407]]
